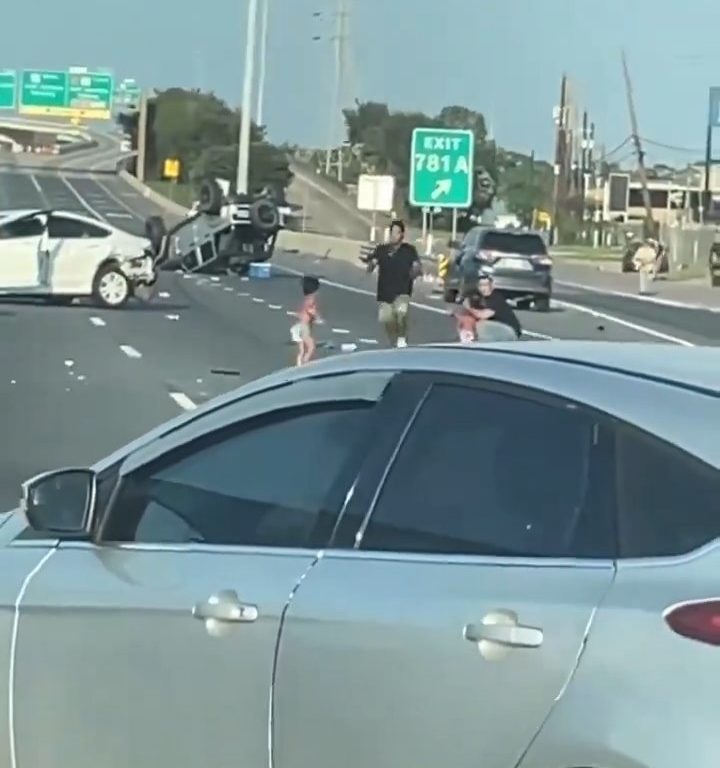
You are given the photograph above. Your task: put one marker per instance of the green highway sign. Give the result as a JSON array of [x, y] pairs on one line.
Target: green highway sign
[[8, 89], [73, 94], [42, 90], [90, 92], [441, 168]]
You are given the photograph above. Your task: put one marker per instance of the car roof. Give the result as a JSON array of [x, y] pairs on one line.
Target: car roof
[[19, 213]]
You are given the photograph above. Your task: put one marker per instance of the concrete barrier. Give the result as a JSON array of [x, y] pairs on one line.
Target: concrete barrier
[[151, 194]]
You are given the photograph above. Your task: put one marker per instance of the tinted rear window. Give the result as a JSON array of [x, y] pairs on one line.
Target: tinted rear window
[[506, 242]]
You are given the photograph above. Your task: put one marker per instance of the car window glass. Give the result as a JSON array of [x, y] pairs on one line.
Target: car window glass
[[29, 227], [267, 485], [61, 227], [508, 242], [483, 473], [668, 502]]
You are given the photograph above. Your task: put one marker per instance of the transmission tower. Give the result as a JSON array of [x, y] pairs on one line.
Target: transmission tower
[[341, 96]]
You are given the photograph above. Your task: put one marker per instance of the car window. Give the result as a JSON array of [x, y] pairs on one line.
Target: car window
[[668, 501], [483, 473], [61, 227], [267, 485], [507, 242], [29, 227]]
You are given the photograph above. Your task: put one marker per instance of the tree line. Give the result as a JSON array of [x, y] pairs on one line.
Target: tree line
[[201, 131]]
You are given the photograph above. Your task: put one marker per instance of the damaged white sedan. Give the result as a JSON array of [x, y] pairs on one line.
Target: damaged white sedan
[[62, 255]]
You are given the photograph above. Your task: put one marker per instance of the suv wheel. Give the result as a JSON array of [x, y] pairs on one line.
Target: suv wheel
[[542, 303]]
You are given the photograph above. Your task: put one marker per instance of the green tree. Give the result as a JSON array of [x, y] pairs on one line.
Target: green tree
[[201, 130]]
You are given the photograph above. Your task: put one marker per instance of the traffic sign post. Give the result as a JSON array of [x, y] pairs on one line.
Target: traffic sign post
[[75, 94], [8, 89], [441, 168]]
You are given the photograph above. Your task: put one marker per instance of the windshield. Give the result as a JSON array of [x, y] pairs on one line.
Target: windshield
[[507, 242]]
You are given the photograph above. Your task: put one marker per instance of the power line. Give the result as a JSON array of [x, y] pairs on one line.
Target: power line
[[660, 145]]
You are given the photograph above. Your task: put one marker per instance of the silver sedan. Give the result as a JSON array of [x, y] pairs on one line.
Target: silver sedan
[[492, 556]]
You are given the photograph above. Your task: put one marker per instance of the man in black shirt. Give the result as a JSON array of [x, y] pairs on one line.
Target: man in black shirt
[[398, 265], [500, 323]]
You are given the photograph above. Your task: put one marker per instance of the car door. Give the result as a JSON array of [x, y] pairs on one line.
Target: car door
[[453, 611], [154, 644], [76, 249], [20, 245]]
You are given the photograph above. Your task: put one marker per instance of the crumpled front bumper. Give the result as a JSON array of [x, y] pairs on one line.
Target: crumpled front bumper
[[140, 271]]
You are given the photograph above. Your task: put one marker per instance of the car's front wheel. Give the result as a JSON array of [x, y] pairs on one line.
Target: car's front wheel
[[111, 287]]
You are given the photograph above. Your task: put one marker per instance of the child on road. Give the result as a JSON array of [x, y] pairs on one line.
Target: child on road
[[302, 332], [467, 316]]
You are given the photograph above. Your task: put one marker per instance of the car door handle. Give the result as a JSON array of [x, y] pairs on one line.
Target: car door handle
[[225, 606], [508, 634]]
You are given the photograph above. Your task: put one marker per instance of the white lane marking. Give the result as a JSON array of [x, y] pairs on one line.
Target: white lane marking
[[228, 288], [215, 279], [626, 323], [416, 304], [82, 200], [291, 314], [183, 401], [341, 331], [274, 306], [163, 295], [639, 297], [97, 321], [348, 347], [368, 341], [172, 317], [13, 651], [36, 184], [130, 351], [258, 300], [132, 214]]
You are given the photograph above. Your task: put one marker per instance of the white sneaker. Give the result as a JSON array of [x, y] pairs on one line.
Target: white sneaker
[[401, 343]]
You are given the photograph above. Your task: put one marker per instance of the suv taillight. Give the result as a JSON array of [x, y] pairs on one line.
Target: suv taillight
[[542, 260], [697, 621]]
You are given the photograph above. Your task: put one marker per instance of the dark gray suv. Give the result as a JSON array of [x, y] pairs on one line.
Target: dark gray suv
[[517, 259]]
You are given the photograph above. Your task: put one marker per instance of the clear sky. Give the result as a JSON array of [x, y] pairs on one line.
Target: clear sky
[[504, 58]]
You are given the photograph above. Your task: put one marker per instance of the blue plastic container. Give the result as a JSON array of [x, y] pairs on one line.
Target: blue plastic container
[[260, 269]]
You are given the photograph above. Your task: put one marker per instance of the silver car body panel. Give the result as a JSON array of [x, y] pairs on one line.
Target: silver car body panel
[[372, 666]]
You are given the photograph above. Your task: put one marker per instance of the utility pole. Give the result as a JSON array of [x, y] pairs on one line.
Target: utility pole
[[142, 130], [560, 183], [640, 155], [242, 182], [340, 40], [265, 18]]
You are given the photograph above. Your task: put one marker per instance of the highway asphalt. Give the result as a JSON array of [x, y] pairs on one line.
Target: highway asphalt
[[77, 382]]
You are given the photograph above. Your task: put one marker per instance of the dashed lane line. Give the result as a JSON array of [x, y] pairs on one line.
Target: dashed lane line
[[98, 321], [130, 351], [183, 401]]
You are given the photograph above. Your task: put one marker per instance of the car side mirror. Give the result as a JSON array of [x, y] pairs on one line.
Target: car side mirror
[[60, 502]]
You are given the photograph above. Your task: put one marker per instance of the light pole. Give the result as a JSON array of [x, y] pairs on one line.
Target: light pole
[[243, 168], [263, 60]]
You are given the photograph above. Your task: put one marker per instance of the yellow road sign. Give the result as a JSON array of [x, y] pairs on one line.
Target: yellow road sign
[[171, 168]]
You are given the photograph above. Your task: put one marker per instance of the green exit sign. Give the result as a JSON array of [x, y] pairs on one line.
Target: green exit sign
[[8, 89], [441, 168]]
